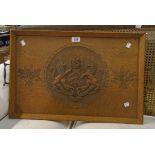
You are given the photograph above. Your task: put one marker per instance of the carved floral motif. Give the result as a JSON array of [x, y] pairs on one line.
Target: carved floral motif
[[29, 75], [124, 77]]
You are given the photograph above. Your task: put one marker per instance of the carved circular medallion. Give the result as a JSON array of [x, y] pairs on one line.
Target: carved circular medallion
[[75, 73]]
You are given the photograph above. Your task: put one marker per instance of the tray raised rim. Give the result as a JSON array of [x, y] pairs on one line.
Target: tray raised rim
[[140, 35]]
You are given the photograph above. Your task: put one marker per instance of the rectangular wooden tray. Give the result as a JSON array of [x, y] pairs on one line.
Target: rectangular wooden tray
[[85, 76]]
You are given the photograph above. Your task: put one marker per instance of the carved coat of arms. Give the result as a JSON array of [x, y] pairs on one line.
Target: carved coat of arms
[[76, 72]]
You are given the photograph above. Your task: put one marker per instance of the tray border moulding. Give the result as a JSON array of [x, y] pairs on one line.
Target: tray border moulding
[[73, 117]]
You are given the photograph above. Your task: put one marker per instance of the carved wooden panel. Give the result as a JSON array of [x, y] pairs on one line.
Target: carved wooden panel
[[98, 77]]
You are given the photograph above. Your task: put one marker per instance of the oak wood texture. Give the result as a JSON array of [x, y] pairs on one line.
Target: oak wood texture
[[36, 101]]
